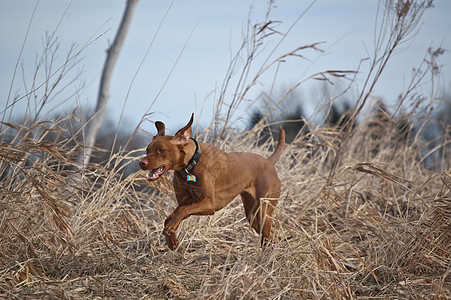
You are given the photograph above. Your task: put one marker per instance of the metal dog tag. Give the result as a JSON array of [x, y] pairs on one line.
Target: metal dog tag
[[191, 177]]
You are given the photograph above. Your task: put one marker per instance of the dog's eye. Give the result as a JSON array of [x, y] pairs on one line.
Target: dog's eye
[[161, 150]]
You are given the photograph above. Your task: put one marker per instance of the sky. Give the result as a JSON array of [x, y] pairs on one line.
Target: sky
[[176, 54]]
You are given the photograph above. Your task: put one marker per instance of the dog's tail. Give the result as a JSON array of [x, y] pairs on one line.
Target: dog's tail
[[281, 142]]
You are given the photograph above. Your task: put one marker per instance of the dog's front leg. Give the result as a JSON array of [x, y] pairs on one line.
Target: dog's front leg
[[204, 207], [171, 240]]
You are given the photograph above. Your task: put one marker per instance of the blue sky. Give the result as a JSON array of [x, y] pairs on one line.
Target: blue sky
[[212, 31]]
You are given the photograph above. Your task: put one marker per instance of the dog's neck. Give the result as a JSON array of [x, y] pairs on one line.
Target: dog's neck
[[194, 158], [193, 161]]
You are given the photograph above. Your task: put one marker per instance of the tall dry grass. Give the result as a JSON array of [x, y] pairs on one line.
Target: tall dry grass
[[362, 214], [380, 228]]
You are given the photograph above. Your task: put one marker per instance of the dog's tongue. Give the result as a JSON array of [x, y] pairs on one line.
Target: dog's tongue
[[154, 174]]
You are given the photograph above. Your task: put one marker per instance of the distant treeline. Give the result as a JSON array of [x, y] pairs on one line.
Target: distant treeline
[[431, 126]]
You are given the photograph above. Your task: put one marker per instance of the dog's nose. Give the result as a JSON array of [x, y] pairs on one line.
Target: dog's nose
[[142, 163]]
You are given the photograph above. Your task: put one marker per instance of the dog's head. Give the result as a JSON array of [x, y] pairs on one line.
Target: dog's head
[[166, 152]]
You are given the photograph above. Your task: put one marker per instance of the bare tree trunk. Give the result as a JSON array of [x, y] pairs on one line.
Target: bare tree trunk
[[103, 97]]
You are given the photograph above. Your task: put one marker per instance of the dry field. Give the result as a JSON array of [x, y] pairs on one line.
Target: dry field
[[364, 213], [379, 226]]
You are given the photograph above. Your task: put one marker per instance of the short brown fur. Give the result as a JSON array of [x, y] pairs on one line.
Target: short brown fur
[[220, 177]]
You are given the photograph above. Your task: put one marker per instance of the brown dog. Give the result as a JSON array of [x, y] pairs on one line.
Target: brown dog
[[206, 179]]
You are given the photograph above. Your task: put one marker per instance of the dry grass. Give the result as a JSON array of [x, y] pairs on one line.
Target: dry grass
[[380, 229], [360, 216]]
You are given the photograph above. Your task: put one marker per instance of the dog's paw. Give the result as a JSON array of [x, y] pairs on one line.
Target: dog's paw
[[172, 241], [170, 227]]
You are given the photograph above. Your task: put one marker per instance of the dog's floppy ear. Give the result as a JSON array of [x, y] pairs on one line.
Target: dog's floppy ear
[[183, 135], [160, 127]]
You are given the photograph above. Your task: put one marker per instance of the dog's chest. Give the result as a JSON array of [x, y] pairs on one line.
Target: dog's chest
[[196, 193], [193, 190]]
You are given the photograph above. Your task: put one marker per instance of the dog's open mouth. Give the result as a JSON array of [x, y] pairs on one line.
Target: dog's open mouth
[[156, 173]]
